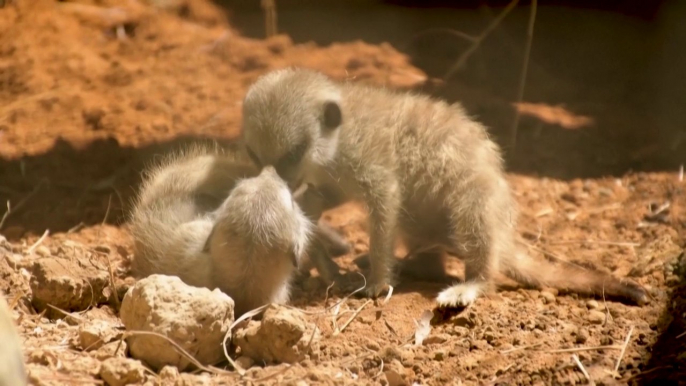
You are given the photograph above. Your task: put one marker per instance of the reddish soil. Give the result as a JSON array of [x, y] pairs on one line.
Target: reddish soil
[[90, 93]]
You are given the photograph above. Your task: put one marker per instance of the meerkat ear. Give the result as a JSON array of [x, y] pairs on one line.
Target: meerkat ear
[[332, 116]]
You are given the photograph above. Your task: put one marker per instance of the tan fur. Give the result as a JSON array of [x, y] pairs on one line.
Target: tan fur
[[12, 370], [206, 216], [425, 170]]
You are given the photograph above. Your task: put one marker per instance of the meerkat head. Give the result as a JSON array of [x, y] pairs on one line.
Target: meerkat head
[[290, 121], [265, 215]]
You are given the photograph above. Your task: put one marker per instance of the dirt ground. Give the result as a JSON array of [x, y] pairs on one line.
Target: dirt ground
[[91, 90]]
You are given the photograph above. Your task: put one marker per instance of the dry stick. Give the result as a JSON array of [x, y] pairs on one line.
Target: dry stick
[[515, 349], [115, 295], [621, 354], [654, 369], [71, 380], [525, 69], [357, 312], [683, 334], [582, 368], [107, 211], [180, 350], [477, 41], [599, 242], [243, 317], [580, 349], [38, 242], [269, 8], [67, 314], [20, 204], [7, 213], [459, 34]]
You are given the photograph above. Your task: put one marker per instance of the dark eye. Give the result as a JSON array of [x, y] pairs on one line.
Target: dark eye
[[292, 158], [253, 157]]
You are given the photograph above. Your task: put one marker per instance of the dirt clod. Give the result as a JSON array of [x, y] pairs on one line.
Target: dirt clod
[[122, 371], [195, 318], [282, 336], [95, 334], [596, 317], [66, 285]]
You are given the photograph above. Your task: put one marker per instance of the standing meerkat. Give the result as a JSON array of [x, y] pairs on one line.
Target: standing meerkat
[[424, 169], [12, 370], [208, 218]]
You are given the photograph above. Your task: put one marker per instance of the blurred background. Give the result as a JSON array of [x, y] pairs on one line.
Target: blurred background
[[606, 79]]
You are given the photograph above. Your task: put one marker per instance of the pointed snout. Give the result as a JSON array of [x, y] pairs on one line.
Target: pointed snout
[[268, 171]]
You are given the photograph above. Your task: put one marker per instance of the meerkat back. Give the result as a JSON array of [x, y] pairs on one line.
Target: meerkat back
[[171, 220]]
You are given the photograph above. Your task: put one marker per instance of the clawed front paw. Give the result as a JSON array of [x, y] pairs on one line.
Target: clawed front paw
[[373, 290]]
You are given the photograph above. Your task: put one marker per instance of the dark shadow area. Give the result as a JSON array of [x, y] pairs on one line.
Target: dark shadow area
[[667, 364], [69, 187], [618, 63]]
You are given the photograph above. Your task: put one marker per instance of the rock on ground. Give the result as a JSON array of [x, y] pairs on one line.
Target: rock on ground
[[66, 285], [283, 335], [122, 371], [95, 334], [197, 319]]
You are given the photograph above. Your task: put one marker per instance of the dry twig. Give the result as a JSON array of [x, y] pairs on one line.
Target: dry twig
[[583, 369], [580, 349], [621, 354], [477, 41], [525, 69], [357, 312], [38, 242], [20, 204]]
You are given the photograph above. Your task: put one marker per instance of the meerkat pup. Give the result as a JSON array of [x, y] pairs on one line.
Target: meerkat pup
[[208, 218], [12, 370], [424, 169]]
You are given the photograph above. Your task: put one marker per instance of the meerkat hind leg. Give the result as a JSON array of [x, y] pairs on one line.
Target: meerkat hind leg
[[319, 256], [479, 257]]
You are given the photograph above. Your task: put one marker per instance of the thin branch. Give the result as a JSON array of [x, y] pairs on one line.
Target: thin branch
[[525, 69], [583, 369], [621, 354], [477, 41]]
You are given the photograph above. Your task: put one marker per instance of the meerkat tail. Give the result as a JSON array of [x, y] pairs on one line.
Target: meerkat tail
[[566, 276]]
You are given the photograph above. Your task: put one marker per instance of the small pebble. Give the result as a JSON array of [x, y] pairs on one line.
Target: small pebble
[[245, 362], [581, 336], [43, 251], [596, 317], [592, 305], [548, 298]]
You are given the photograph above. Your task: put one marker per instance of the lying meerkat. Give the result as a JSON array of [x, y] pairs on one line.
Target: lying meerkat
[[208, 218], [12, 370], [421, 166]]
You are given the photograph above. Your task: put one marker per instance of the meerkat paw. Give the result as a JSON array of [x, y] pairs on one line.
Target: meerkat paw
[[459, 295], [374, 290]]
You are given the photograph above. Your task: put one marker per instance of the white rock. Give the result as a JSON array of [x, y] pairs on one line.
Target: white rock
[[195, 318], [122, 371]]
